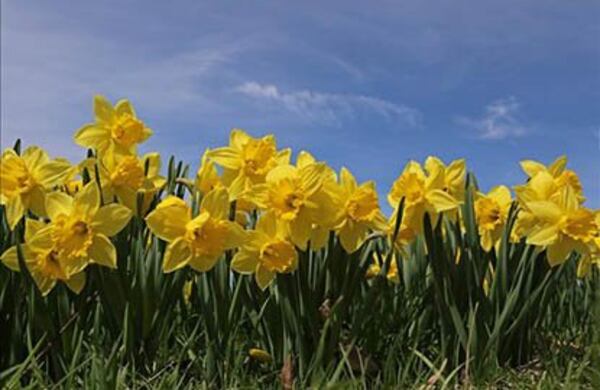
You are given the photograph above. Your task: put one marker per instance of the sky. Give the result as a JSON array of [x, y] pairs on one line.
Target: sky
[[367, 85]]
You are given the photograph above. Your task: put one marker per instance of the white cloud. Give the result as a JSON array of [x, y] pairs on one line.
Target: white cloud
[[499, 121], [330, 107]]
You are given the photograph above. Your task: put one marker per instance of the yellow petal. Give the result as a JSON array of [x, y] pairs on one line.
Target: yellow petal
[[103, 252], [238, 138], [559, 252], [58, 203], [216, 202], [347, 180], [37, 201], [244, 262], [14, 210], [441, 200], [312, 177], [34, 157], [203, 263], [10, 258], [41, 240], [352, 236], [123, 106], [304, 158], [263, 277], [43, 283], [168, 220], [282, 172], [226, 157], [53, 173], [545, 211], [542, 236], [267, 224], [92, 136], [87, 201], [177, 255], [111, 219], [258, 194], [236, 236], [532, 168], [76, 282], [558, 166], [32, 226], [103, 110], [300, 229]]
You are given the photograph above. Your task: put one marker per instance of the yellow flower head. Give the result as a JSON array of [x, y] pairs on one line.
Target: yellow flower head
[[266, 252], [375, 268], [127, 176], [80, 228], [199, 241], [422, 194], [42, 260], [453, 175], [116, 130], [358, 210], [491, 213], [247, 161], [557, 170], [291, 194], [562, 225], [25, 180], [260, 355]]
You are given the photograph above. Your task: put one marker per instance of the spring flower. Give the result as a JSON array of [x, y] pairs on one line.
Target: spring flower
[[125, 177], [562, 225], [358, 213], [81, 228], [266, 252], [25, 180], [247, 161], [116, 130], [557, 169], [453, 175], [491, 213], [291, 195], [42, 260], [207, 177], [200, 241], [422, 194]]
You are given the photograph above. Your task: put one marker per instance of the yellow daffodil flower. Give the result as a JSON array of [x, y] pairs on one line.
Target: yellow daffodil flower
[[453, 175], [124, 177], [557, 169], [200, 241], [422, 194], [81, 228], [25, 180], [291, 195], [358, 211], [491, 213], [116, 130], [266, 252], [562, 225], [207, 177], [247, 161], [43, 260]]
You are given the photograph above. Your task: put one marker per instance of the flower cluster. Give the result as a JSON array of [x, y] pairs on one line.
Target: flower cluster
[[250, 199]]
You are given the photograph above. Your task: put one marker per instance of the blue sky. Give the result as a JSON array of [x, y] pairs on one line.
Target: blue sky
[[366, 85]]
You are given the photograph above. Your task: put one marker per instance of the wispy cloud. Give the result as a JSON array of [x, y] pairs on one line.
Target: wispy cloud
[[330, 108], [500, 120]]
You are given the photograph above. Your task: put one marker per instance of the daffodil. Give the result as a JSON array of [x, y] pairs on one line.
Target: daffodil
[[198, 242], [453, 175], [81, 227], [291, 195], [43, 260], [116, 130], [491, 213], [25, 181], [562, 225], [557, 169], [266, 252], [127, 176], [247, 161], [422, 194], [358, 211]]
